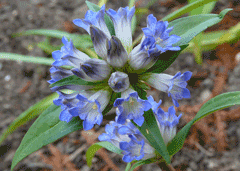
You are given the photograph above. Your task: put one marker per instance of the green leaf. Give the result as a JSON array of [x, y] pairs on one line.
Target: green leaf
[[95, 147], [217, 103], [31, 59], [186, 9], [141, 92], [108, 21], [205, 9], [28, 115], [165, 60], [142, 162], [79, 41], [197, 50], [209, 41], [73, 80], [151, 131], [45, 130], [102, 2], [188, 27]]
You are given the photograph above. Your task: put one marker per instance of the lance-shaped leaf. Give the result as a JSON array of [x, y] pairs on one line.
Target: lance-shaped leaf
[[73, 80], [45, 130], [28, 115], [97, 146], [217, 103], [24, 58], [152, 133]]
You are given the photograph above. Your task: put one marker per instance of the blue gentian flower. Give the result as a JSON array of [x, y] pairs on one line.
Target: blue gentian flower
[[167, 123], [89, 108], [129, 139], [144, 55], [112, 134], [131, 107], [66, 101], [175, 86], [95, 19], [136, 149], [159, 31]]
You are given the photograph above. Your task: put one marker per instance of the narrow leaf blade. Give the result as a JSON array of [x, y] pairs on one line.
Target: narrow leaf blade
[[28, 115], [24, 58], [73, 80], [188, 27], [95, 147]]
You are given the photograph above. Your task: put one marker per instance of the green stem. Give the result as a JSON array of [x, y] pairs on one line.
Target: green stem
[[131, 3]]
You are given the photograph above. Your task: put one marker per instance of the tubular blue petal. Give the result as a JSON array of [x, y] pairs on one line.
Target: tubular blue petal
[[65, 116], [132, 107], [122, 23], [99, 40], [117, 55], [167, 123], [95, 19], [175, 86]]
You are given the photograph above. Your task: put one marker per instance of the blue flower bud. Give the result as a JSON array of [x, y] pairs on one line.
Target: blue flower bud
[[167, 123], [117, 55], [99, 40], [119, 81]]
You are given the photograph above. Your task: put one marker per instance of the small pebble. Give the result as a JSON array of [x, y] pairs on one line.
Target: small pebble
[[238, 57], [7, 78], [205, 95]]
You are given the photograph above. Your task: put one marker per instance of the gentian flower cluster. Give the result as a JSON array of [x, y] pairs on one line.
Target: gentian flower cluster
[[117, 69], [129, 139]]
